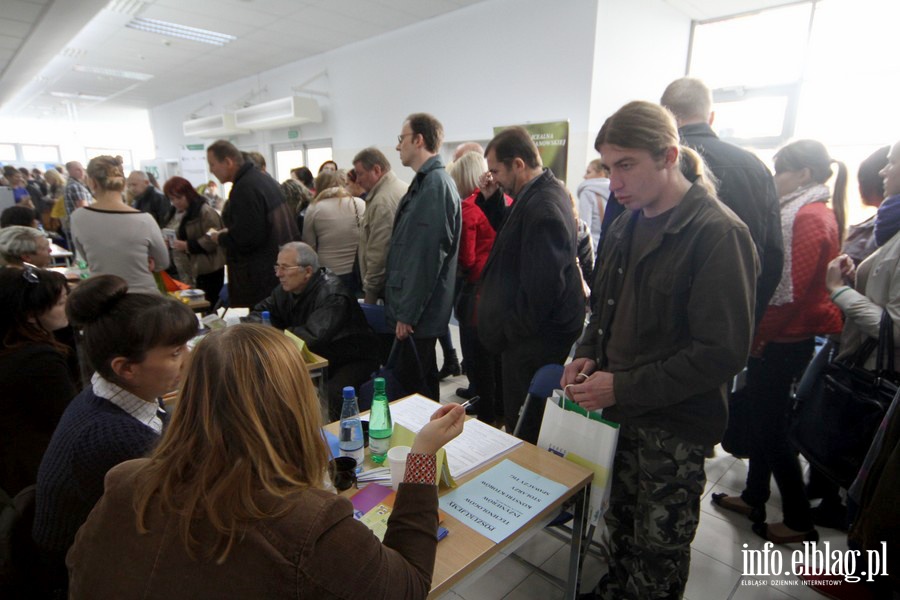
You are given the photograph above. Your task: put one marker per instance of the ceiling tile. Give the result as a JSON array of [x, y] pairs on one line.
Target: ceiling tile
[[16, 29], [9, 42], [423, 9], [17, 10]]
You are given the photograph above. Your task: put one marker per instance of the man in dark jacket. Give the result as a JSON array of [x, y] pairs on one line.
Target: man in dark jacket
[[421, 262], [531, 306], [147, 198], [745, 184], [257, 222], [313, 304], [673, 320]]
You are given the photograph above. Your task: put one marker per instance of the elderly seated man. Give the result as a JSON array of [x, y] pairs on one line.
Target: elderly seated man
[[20, 244], [312, 303]]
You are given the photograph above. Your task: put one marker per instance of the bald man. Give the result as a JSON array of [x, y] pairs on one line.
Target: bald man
[[147, 198], [467, 147], [745, 184]]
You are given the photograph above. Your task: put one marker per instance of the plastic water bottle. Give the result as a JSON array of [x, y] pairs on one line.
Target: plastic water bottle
[[267, 321], [351, 436], [83, 271], [380, 425]]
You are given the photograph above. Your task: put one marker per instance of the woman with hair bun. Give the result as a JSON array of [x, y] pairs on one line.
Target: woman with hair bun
[[37, 373], [115, 238], [232, 504], [136, 344]]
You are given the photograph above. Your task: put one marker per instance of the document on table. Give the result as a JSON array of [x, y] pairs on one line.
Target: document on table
[[501, 500], [476, 445]]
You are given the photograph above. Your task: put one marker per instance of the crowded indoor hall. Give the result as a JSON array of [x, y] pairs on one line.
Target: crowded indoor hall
[[286, 312]]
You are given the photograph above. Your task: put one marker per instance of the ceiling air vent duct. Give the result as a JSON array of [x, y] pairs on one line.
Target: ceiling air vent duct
[[212, 127], [284, 112]]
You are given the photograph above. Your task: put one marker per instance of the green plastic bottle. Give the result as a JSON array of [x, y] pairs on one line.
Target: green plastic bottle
[[381, 427], [83, 271]]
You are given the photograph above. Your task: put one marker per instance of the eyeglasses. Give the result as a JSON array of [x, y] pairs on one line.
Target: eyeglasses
[[286, 267], [29, 273], [403, 135]]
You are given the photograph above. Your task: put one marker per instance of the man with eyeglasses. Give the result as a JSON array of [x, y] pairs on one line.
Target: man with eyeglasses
[[421, 263], [313, 303]]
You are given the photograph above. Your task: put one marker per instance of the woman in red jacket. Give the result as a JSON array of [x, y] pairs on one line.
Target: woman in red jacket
[[475, 242], [799, 310]]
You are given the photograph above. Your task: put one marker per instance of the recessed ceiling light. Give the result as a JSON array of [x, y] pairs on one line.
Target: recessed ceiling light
[[113, 72], [194, 34], [76, 96]]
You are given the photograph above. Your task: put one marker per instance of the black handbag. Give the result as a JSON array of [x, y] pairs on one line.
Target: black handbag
[[835, 416], [393, 387]]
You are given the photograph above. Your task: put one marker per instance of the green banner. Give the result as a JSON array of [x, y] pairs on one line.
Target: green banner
[[552, 141]]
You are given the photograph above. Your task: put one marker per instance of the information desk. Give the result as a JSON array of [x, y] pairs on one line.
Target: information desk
[[464, 551]]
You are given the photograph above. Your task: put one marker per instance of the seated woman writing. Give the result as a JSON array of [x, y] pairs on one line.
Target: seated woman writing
[[231, 504]]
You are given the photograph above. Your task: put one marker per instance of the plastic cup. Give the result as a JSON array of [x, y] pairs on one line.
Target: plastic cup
[[397, 461]]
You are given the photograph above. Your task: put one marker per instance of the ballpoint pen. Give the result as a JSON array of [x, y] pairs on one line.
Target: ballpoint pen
[[470, 401]]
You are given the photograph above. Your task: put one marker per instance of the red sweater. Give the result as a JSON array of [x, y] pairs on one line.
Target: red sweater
[[476, 239], [811, 313]]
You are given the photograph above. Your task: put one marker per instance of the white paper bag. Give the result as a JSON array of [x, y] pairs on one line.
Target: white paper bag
[[589, 441]]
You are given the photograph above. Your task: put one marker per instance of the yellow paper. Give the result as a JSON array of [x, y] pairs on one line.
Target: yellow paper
[[308, 356]]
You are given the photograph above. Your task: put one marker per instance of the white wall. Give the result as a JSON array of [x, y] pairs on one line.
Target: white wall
[[642, 45], [495, 63]]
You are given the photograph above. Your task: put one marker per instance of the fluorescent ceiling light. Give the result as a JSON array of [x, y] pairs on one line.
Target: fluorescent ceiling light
[[184, 32], [113, 72], [76, 96]]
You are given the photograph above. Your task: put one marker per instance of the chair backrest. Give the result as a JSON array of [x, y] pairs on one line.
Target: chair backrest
[[375, 316], [545, 380], [17, 551]]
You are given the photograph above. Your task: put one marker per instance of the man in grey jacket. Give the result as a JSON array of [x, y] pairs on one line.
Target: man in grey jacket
[[383, 193], [421, 263]]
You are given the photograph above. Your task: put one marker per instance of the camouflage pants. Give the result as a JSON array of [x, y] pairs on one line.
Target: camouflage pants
[[654, 510]]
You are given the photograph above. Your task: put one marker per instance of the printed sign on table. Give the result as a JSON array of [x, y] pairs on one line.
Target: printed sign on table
[[501, 500]]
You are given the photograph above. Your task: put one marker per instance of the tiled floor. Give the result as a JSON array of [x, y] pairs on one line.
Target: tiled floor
[[716, 554]]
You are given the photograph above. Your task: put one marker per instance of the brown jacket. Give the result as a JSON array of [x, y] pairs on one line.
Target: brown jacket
[[694, 288], [205, 255], [317, 550]]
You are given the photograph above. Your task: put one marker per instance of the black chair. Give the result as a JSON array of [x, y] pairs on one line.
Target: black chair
[[222, 302], [376, 319], [18, 554], [545, 380]]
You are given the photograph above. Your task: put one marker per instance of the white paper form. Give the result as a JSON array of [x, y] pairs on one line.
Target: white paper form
[[477, 444]]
